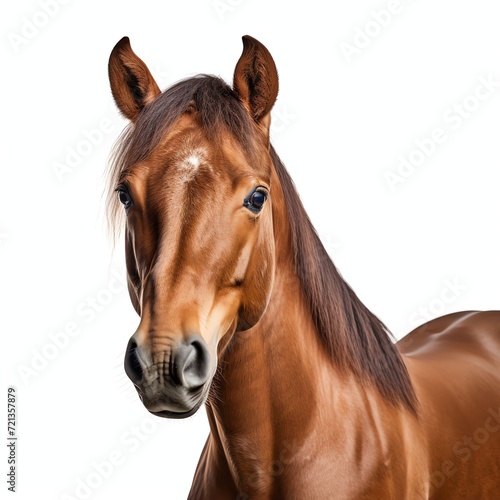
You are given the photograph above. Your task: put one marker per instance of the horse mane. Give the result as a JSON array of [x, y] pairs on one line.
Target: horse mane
[[354, 337]]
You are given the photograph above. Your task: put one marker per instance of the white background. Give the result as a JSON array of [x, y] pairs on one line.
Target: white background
[[339, 127]]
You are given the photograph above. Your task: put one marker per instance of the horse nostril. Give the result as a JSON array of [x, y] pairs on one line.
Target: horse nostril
[[192, 363], [132, 366]]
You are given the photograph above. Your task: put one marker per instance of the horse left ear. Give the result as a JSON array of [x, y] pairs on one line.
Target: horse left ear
[[256, 80]]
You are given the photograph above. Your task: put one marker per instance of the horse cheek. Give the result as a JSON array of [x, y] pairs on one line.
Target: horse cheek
[[258, 284]]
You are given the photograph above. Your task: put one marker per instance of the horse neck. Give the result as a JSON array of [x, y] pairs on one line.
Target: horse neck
[[272, 378], [279, 396], [266, 387]]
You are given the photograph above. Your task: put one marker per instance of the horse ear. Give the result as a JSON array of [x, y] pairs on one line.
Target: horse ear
[[256, 80], [132, 84]]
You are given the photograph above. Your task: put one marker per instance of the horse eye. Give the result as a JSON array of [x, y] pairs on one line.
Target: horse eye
[[124, 197], [255, 201]]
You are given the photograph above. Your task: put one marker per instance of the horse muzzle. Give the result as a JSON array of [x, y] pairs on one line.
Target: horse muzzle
[[172, 382]]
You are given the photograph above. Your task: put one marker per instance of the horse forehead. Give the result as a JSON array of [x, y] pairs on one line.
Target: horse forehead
[[191, 156], [190, 160]]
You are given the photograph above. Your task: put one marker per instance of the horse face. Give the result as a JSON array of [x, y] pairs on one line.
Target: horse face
[[200, 259], [199, 233]]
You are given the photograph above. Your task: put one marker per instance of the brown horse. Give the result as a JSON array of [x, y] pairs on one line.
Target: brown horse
[[242, 310]]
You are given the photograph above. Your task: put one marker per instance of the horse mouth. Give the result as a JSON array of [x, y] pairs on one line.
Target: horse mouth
[[181, 413], [177, 414]]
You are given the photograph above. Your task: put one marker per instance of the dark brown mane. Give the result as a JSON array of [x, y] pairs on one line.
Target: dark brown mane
[[354, 337]]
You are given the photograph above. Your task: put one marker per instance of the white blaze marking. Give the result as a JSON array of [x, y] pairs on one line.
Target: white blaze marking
[[189, 164], [194, 161]]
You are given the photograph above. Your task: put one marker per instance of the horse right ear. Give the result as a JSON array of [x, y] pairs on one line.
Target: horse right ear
[[256, 80], [132, 84]]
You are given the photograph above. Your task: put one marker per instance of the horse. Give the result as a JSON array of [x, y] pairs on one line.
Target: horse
[[242, 310]]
